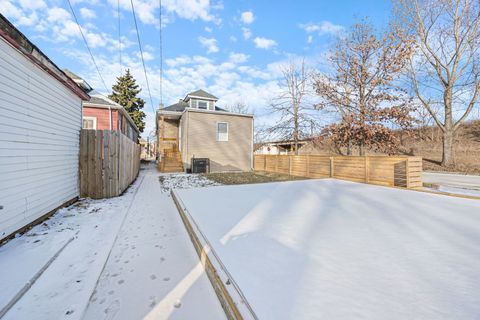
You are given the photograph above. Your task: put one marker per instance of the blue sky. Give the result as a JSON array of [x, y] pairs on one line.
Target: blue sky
[[233, 49]]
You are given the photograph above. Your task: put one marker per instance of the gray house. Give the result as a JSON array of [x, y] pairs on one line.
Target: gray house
[[195, 127]]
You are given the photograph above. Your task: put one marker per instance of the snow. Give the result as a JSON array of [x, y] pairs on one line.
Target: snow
[[331, 249], [454, 183], [130, 258], [170, 181]]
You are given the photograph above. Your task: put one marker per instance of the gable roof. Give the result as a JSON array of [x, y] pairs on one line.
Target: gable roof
[[78, 80], [201, 94], [24, 46]]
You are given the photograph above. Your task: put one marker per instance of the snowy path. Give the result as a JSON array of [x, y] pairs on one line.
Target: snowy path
[[332, 249], [153, 271], [130, 258]]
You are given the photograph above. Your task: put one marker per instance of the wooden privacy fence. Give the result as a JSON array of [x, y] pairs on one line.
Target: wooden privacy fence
[[398, 171], [109, 163]]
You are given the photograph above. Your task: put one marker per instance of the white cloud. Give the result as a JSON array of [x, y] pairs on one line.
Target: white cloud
[[247, 17], [208, 29], [246, 33], [32, 4], [209, 43], [56, 14], [238, 57], [87, 13], [264, 43], [310, 39], [323, 28]]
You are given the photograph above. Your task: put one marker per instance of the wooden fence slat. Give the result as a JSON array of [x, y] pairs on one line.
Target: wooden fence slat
[[109, 163], [401, 171]]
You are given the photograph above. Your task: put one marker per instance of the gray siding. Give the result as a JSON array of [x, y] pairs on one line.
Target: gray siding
[[39, 141]]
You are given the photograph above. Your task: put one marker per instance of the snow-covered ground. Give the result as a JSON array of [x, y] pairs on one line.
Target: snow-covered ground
[[454, 183], [331, 249], [123, 258]]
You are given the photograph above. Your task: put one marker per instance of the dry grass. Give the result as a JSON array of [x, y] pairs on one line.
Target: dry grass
[[249, 177]]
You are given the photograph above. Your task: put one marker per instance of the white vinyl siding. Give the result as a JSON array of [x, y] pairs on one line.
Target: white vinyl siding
[[39, 141]]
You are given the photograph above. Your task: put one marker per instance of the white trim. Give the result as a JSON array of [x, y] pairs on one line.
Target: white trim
[[94, 122], [197, 97], [228, 129]]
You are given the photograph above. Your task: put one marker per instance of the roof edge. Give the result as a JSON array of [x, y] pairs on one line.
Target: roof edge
[[19, 41]]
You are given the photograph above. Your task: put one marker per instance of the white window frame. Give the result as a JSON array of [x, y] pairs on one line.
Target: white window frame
[[94, 122], [202, 101], [228, 131]]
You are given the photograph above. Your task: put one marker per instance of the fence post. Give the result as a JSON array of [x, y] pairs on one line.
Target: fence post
[[332, 172], [407, 171], [367, 171], [289, 165], [308, 166]]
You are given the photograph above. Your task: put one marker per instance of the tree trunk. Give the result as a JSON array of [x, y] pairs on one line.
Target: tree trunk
[[349, 148], [361, 148], [447, 155]]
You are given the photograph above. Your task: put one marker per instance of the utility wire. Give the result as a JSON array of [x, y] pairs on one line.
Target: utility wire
[[86, 44], [119, 37], [161, 53], [141, 55]]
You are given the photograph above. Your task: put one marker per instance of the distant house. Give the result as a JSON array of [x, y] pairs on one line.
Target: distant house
[[40, 122], [195, 127], [281, 147], [101, 113]]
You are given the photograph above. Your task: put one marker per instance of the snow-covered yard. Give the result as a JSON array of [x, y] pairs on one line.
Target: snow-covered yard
[[331, 249], [122, 258]]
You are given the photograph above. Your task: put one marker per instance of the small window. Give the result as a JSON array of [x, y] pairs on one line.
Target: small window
[[222, 131], [202, 105], [89, 123]]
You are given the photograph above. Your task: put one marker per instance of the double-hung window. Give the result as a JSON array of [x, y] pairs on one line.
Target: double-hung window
[[89, 123], [202, 104], [222, 131]]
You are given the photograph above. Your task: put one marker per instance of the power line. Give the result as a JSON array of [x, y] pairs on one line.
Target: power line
[[141, 55], [86, 44], [161, 52], [119, 37]]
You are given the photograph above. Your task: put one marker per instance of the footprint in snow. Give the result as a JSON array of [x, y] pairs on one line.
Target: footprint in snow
[[153, 277], [166, 279], [121, 281]]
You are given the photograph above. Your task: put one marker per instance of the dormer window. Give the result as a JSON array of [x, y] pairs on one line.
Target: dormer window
[[202, 104]]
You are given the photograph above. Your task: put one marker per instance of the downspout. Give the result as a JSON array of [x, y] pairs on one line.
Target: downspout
[[110, 117]]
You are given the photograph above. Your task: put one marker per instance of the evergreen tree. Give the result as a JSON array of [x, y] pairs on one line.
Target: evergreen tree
[[125, 92]]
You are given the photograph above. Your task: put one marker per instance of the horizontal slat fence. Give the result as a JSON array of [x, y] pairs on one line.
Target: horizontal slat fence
[[109, 163], [398, 171]]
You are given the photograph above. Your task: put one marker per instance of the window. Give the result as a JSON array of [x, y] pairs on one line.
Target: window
[[202, 104], [90, 123], [222, 131]]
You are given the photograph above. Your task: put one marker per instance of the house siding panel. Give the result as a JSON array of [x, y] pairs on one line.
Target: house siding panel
[[39, 141], [103, 117], [232, 155]]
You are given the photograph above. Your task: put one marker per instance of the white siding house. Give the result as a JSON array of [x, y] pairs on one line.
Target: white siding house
[[40, 122]]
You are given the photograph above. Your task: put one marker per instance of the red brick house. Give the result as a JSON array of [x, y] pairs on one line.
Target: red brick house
[[101, 113]]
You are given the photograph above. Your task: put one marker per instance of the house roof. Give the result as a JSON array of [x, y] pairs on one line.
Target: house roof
[[78, 80], [19, 41], [201, 94], [176, 107], [98, 100]]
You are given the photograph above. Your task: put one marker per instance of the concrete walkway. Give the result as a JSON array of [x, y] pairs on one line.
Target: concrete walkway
[[153, 271], [128, 257]]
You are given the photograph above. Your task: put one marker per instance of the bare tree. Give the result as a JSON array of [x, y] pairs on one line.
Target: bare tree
[[293, 105], [362, 89], [239, 107], [445, 71]]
